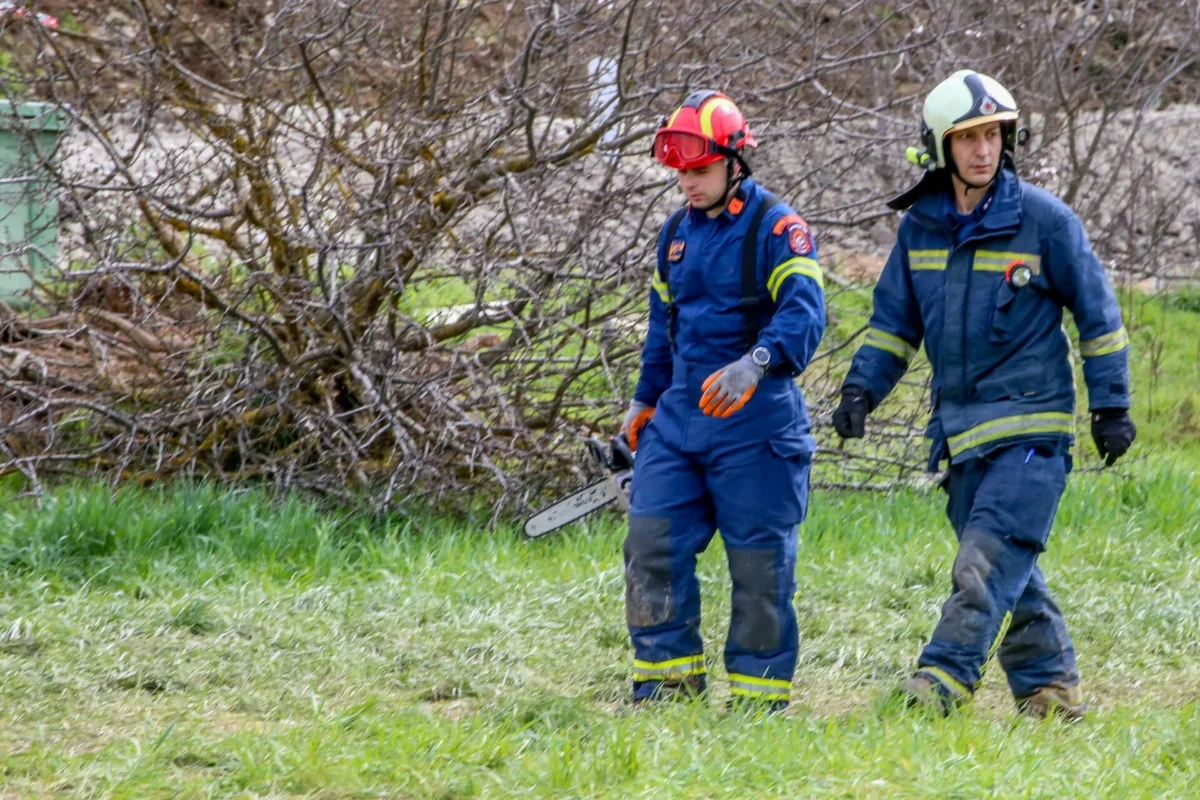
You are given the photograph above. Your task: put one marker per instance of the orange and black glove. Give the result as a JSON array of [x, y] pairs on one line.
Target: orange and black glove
[[636, 418], [730, 388]]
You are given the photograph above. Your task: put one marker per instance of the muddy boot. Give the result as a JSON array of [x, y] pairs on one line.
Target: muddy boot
[[685, 690], [924, 690], [1065, 702]]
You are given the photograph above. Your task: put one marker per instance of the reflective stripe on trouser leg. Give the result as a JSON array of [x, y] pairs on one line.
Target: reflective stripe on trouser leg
[[765, 689], [674, 670], [1006, 506], [670, 522], [956, 689], [1004, 625]]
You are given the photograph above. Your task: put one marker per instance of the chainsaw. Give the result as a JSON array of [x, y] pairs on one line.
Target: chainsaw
[[617, 459]]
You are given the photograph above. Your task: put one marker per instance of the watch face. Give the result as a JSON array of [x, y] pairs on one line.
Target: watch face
[[761, 356]]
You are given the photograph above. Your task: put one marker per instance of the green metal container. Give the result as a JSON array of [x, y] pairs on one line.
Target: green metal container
[[29, 138]]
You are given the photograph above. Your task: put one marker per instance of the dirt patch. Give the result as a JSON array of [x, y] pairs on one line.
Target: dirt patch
[[455, 710]]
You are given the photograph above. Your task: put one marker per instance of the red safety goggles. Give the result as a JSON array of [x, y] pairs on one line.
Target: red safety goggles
[[679, 150]]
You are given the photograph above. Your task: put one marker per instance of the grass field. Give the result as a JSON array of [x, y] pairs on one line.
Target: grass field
[[190, 643]]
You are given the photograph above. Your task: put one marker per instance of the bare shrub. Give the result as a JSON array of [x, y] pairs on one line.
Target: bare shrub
[[406, 247]]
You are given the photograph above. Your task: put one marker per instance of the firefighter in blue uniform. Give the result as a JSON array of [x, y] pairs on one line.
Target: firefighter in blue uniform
[[983, 266], [720, 427]]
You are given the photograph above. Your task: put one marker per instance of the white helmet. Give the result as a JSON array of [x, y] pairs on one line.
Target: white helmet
[[964, 100]]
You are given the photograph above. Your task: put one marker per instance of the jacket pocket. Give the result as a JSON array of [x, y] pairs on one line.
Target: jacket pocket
[[786, 481], [800, 448], [1002, 313], [1037, 476]]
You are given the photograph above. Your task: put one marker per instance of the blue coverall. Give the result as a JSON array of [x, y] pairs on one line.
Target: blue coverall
[[1003, 407], [746, 474]]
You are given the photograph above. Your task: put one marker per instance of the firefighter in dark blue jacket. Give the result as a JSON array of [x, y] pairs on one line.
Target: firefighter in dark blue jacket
[[720, 427], [983, 267]]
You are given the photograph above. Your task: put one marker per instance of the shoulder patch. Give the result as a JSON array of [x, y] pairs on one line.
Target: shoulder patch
[[800, 239], [675, 250], [786, 221]]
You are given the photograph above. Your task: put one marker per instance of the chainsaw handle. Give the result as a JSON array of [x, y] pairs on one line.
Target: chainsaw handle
[[595, 449], [622, 457], [615, 456]]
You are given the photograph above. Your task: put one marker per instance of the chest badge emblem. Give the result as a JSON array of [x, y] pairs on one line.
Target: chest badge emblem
[[675, 250]]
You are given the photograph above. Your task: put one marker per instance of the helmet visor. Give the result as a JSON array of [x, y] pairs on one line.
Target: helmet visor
[[679, 150], [1002, 116]]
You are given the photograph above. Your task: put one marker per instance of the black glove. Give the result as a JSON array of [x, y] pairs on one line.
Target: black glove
[[1113, 432], [851, 415]]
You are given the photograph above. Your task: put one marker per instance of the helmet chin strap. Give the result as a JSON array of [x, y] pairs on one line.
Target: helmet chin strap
[[989, 182], [731, 182]]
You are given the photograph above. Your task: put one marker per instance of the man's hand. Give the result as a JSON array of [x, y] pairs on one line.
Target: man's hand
[[850, 418], [730, 388], [1113, 431], [636, 418]]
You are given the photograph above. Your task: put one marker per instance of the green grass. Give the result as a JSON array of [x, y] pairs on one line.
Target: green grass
[[189, 643], [1165, 358]]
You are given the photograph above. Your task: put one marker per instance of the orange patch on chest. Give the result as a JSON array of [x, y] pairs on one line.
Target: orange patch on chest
[[675, 250]]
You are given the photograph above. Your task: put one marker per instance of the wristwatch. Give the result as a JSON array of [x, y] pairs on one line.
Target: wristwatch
[[761, 357]]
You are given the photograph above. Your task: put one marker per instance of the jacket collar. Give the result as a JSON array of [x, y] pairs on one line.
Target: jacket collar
[[1002, 214]]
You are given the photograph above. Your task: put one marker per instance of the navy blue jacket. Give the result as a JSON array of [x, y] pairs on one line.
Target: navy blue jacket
[[706, 284], [1001, 358]]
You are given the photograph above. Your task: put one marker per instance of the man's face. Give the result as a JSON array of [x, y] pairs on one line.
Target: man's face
[[976, 152], [705, 185]]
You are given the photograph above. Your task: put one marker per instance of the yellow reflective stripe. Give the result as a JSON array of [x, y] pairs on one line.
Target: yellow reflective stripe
[[995, 648], [671, 121], [666, 670], [890, 344], [738, 691], [674, 662], [944, 677], [707, 112], [759, 688], [773, 683], [980, 265], [1020, 425], [660, 286], [1103, 345], [927, 259], [998, 261], [794, 266]]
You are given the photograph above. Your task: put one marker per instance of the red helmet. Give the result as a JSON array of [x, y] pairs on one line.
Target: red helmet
[[706, 128]]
